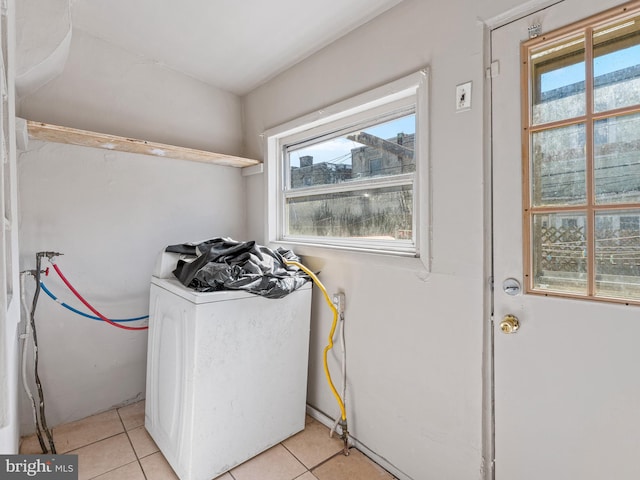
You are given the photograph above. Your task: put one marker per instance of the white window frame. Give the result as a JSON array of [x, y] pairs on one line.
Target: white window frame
[[396, 96]]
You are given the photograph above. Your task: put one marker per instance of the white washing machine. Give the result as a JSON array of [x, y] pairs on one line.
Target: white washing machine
[[226, 374]]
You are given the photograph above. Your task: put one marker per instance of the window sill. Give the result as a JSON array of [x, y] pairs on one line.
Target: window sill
[[398, 260]]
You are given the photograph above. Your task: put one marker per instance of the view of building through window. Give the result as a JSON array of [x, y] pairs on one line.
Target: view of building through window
[[583, 141], [358, 184]]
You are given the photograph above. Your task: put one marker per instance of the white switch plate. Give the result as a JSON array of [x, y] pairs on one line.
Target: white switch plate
[[463, 97]]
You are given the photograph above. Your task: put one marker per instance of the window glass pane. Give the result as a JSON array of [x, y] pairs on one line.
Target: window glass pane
[[558, 83], [618, 254], [560, 249], [380, 214], [617, 159], [380, 150], [616, 65], [558, 166]]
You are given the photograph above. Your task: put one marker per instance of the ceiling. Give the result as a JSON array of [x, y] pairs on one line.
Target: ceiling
[[235, 45]]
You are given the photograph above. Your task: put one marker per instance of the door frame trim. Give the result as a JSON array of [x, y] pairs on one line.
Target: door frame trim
[[518, 12], [488, 391]]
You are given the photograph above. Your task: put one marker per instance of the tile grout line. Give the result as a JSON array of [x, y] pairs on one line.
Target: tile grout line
[[294, 456], [92, 443], [144, 474], [300, 476], [109, 471], [314, 466], [330, 458]]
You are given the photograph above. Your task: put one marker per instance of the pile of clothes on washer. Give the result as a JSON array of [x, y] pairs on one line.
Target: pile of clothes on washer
[[226, 264]]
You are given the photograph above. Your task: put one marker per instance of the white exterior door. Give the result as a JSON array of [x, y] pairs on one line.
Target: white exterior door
[[567, 383]]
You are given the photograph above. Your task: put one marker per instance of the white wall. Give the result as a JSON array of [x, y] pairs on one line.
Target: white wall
[[108, 90], [111, 213], [415, 347], [43, 37]]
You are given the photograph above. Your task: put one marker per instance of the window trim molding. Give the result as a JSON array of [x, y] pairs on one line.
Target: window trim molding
[[413, 86]]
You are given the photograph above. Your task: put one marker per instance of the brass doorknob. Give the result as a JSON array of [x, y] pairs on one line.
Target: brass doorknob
[[509, 324]]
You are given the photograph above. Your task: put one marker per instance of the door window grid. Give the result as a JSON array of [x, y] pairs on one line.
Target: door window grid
[[576, 159]]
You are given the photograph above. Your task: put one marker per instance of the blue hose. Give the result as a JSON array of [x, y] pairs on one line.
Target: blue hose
[[74, 310]]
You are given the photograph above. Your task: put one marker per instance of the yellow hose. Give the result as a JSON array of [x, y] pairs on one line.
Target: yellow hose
[[331, 333]]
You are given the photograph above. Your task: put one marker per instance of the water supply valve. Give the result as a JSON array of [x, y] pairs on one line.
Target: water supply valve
[[338, 301]]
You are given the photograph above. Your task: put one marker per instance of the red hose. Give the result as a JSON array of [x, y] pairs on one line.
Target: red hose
[[88, 305]]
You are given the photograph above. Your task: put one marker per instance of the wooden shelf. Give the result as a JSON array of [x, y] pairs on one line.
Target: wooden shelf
[[73, 136]]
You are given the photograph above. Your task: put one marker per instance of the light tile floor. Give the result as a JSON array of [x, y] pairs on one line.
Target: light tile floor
[[114, 445]]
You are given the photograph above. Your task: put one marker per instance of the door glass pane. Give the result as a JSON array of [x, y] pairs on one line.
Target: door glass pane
[[558, 166], [618, 254], [616, 65], [591, 252], [617, 159], [377, 213], [559, 252], [558, 81]]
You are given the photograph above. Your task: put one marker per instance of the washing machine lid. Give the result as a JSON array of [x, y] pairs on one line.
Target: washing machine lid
[[173, 285]]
